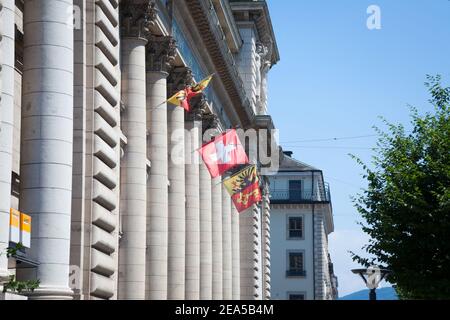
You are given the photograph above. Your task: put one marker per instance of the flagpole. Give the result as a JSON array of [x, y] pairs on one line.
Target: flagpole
[[159, 105]]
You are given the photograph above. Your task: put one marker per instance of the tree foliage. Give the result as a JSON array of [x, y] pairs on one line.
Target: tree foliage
[[406, 206], [13, 285]]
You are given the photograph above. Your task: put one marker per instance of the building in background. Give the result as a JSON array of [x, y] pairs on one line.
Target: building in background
[[301, 220], [87, 144]]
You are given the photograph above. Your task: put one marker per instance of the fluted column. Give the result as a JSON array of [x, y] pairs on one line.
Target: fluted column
[[47, 138], [160, 53], [217, 266], [227, 257], [6, 124], [192, 143], [236, 292], [133, 188], [205, 234]]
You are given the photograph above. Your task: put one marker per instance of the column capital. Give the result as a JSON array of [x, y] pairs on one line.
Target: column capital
[[210, 121], [264, 49], [199, 108], [161, 53], [137, 17], [179, 78]]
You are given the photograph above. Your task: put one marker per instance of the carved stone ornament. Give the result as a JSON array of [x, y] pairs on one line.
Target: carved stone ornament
[[199, 108], [137, 17], [210, 121], [161, 53], [178, 79]]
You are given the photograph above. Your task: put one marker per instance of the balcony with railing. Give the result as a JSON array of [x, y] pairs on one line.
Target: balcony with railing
[[300, 196], [295, 273]]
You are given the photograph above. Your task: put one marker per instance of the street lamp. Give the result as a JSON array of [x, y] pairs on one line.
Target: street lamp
[[372, 277]]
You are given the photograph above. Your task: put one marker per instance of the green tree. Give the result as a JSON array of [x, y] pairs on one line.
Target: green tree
[[406, 206], [13, 285]]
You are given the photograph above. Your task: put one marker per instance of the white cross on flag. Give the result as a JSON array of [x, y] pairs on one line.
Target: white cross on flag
[[225, 152]]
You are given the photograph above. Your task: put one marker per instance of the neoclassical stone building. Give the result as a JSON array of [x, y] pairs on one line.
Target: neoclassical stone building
[[301, 220], [87, 146]]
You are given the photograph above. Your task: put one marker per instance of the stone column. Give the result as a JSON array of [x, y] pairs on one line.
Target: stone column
[[192, 143], [133, 189], [160, 53], [217, 264], [205, 234], [227, 257], [6, 124], [247, 255], [266, 242], [209, 123], [236, 292], [250, 245], [46, 139], [177, 204]]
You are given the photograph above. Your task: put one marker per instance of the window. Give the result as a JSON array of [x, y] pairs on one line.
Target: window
[[295, 190], [295, 227], [295, 265], [296, 296]]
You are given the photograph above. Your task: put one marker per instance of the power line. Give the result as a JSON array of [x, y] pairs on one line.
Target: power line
[[326, 147], [332, 139], [327, 177]]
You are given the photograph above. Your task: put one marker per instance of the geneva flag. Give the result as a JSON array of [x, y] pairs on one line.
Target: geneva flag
[[244, 188]]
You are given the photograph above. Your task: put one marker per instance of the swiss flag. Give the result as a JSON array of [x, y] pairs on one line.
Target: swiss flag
[[225, 152]]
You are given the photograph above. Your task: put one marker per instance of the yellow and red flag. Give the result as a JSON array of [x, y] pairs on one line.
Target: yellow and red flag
[[202, 85], [183, 97], [244, 188]]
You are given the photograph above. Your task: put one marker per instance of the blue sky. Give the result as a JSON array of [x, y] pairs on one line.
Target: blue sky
[[336, 77]]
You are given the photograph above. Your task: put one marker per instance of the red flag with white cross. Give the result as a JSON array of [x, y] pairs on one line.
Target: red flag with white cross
[[223, 153]]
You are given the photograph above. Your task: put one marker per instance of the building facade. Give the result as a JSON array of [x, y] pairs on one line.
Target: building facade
[[121, 207], [301, 220]]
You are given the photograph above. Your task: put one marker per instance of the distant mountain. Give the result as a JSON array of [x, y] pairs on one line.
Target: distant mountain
[[382, 294]]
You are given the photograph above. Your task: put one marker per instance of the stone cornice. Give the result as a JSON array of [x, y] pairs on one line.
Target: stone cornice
[[258, 12], [137, 17], [263, 122], [228, 24], [161, 53], [209, 27]]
